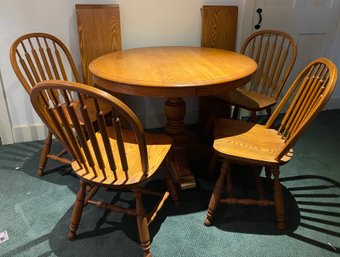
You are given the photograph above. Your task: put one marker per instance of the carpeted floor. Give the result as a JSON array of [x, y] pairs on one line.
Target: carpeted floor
[[35, 211]]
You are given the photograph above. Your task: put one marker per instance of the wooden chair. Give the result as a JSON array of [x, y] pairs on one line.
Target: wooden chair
[[262, 145], [112, 157], [36, 57], [99, 33], [275, 53], [219, 30]]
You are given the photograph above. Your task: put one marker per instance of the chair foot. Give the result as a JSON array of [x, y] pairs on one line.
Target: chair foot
[[40, 172], [142, 224], [278, 197], [208, 221], [280, 225], [71, 235], [147, 255], [77, 211]]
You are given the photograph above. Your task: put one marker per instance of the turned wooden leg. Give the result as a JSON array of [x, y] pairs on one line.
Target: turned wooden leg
[[171, 186], [269, 112], [229, 182], [175, 112], [235, 113], [43, 156], [77, 211], [212, 164], [142, 224], [268, 174], [215, 197], [253, 117], [278, 197], [259, 188]]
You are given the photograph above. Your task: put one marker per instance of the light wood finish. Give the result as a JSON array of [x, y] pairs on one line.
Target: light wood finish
[[36, 57], [99, 33], [275, 53], [262, 145], [112, 157], [173, 72], [219, 30]]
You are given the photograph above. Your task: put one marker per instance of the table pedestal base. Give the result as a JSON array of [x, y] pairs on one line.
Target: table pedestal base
[[179, 162], [175, 112]]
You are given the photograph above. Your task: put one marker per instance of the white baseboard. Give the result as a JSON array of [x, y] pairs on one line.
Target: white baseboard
[[39, 132], [29, 133]]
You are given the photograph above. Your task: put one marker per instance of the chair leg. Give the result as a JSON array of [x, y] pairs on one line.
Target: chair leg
[[253, 117], [278, 197], [43, 156], [142, 224], [171, 187], [268, 174], [236, 113], [212, 164], [229, 183], [269, 112], [77, 211], [259, 188], [216, 195]]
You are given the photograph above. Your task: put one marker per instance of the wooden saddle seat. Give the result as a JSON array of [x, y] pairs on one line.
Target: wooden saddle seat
[[111, 156], [270, 145], [247, 99]]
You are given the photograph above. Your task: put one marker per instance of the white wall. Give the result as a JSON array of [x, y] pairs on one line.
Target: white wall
[[143, 22], [18, 17]]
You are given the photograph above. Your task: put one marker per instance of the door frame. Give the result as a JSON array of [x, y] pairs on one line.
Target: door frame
[[6, 126], [247, 23]]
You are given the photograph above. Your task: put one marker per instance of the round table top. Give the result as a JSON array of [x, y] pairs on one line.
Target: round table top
[[171, 71]]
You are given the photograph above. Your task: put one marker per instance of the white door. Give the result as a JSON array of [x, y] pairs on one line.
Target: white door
[[6, 136], [312, 23]]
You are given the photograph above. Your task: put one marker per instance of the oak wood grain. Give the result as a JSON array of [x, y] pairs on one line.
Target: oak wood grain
[[109, 156], [219, 27], [171, 71], [99, 33], [271, 146]]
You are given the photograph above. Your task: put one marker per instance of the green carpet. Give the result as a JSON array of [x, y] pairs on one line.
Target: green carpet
[[35, 211]]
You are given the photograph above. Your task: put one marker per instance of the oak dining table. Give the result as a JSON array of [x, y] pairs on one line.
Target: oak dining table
[[173, 72]]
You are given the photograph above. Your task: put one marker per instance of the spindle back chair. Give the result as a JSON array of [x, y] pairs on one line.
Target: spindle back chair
[[275, 53], [36, 57], [112, 157], [263, 145]]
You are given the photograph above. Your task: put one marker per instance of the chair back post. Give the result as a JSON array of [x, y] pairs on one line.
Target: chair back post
[[99, 33], [62, 105], [305, 99], [36, 57]]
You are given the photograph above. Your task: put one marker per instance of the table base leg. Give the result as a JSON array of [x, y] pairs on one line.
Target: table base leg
[[179, 163], [175, 112]]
